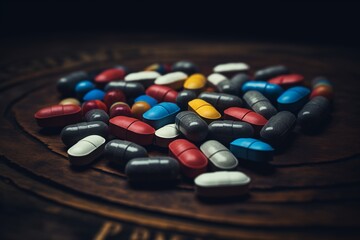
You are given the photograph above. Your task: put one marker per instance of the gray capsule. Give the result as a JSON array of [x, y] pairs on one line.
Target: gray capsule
[[185, 66], [314, 113], [71, 134], [276, 130], [160, 170], [259, 103], [66, 85], [121, 152], [184, 97], [221, 101], [225, 131], [270, 72], [219, 156], [97, 115], [130, 89], [191, 125]]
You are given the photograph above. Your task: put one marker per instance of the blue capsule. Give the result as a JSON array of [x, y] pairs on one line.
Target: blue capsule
[[146, 98], [293, 99], [161, 114], [251, 149], [95, 94], [269, 90], [83, 87]]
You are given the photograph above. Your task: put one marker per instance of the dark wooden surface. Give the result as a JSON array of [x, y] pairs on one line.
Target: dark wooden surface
[[313, 191]]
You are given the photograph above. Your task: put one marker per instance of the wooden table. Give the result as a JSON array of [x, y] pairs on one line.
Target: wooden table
[[313, 191]]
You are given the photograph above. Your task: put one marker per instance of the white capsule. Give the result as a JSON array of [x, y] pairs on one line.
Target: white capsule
[[86, 150], [174, 80], [165, 135], [216, 78], [219, 156], [222, 184], [143, 75], [231, 67]]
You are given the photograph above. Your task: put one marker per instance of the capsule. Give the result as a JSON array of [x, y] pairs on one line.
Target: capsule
[[145, 98], [131, 129], [288, 80], [160, 68], [95, 94], [139, 108], [173, 80], [69, 101], [226, 131], [161, 114], [245, 115], [278, 128], [83, 87], [192, 161], [191, 125], [215, 79], [110, 75], [97, 115], [146, 78], [322, 87], [271, 91], [220, 157], [221, 101], [270, 72], [58, 115], [120, 109], [230, 69], [114, 96], [312, 116], [318, 81], [66, 85], [120, 152], [222, 184], [204, 110], [260, 104], [184, 97], [165, 135], [252, 149], [162, 93], [185, 66], [93, 104], [293, 99], [195, 82], [130, 89], [71, 134], [234, 85], [86, 150], [153, 170]]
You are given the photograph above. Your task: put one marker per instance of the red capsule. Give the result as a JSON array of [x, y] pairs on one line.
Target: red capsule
[[162, 93], [110, 75], [114, 96], [120, 109], [245, 115], [288, 80], [193, 162], [93, 104], [323, 90], [131, 129], [58, 115]]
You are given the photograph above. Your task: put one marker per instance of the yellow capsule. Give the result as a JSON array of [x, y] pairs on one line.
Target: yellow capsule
[[69, 101], [204, 110], [196, 81]]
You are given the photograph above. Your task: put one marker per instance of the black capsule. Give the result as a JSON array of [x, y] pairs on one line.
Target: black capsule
[[66, 85], [225, 131], [270, 72], [185, 66], [130, 89], [191, 125], [152, 170], [97, 115], [121, 152], [278, 128], [184, 97], [259, 103], [221, 101], [314, 113], [71, 134]]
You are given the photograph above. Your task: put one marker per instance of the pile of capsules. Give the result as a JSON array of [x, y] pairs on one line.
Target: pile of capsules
[[207, 124]]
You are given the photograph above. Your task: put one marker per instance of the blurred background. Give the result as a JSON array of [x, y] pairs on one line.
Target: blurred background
[[275, 21]]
